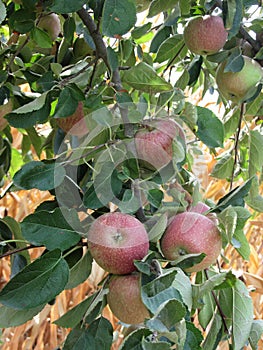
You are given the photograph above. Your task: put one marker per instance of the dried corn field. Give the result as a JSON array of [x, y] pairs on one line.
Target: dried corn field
[[42, 334]]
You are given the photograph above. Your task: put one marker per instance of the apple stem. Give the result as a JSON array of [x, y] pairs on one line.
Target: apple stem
[[223, 317], [242, 111]]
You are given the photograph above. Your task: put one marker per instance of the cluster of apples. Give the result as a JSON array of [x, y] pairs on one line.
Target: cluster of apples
[[116, 240], [206, 35]]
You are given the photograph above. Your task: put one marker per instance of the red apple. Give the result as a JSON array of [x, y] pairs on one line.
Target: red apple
[[4, 110], [115, 240], [154, 143], [124, 299], [205, 35], [74, 124], [202, 208], [239, 86], [192, 233], [50, 23]]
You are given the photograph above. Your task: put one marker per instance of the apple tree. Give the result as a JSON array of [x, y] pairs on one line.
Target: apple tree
[[100, 92]]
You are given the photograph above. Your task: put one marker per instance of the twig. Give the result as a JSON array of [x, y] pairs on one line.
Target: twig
[[140, 212], [15, 251], [242, 110], [101, 52]]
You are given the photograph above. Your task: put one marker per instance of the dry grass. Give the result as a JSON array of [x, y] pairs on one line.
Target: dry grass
[[41, 334]]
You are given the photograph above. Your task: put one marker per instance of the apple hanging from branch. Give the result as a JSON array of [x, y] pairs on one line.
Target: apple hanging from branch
[[50, 23], [205, 35], [115, 240]]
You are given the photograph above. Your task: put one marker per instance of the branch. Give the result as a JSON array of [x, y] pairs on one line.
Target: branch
[[14, 251], [101, 52]]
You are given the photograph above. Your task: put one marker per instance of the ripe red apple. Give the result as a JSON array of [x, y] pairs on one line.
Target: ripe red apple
[[74, 124], [192, 233], [154, 143], [239, 86], [4, 110], [205, 35], [115, 240], [124, 299], [202, 208], [50, 23]]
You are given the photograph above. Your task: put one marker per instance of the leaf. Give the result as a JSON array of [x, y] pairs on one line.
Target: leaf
[[66, 6], [35, 112], [160, 36], [243, 246], [144, 78], [79, 338], [234, 197], [80, 271], [55, 230], [169, 48], [134, 339], [193, 337], [37, 283], [224, 167], [12, 318], [156, 226], [2, 12], [233, 16], [214, 335], [160, 290], [74, 316], [68, 101], [157, 345], [118, 17], [255, 333], [237, 306], [40, 175], [112, 58], [210, 128], [169, 313], [255, 152], [235, 61], [158, 6], [41, 38]]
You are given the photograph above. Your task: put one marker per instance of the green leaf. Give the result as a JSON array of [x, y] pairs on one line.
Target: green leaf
[[224, 167], [158, 6], [169, 313], [237, 306], [144, 78], [255, 152], [193, 337], [80, 271], [161, 35], [12, 318], [157, 345], [206, 312], [98, 335], [37, 283], [233, 16], [55, 230], [133, 340], [155, 197], [41, 38], [214, 335], [234, 197], [66, 6], [254, 199], [112, 58], [235, 61], [156, 226], [118, 17], [210, 128], [2, 12], [240, 242], [185, 7], [255, 333], [40, 175], [138, 32], [159, 291], [35, 112], [68, 101], [170, 48]]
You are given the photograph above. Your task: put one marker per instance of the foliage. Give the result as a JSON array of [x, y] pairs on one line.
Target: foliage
[[130, 69]]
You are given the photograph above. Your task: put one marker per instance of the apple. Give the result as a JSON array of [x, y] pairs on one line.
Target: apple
[[74, 124], [115, 240], [154, 143], [124, 299], [4, 110], [81, 48], [202, 208], [50, 23], [205, 35], [239, 86], [192, 233]]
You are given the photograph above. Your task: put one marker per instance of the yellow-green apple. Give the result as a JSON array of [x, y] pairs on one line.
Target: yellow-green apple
[[4, 110], [154, 143], [115, 240], [124, 299], [239, 86], [74, 124], [205, 35], [192, 233], [50, 23]]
